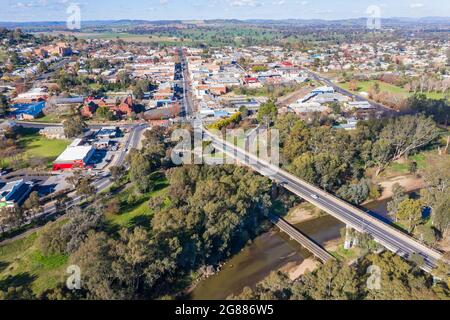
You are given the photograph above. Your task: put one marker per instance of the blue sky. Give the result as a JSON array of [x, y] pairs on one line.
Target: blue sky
[[55, 10]]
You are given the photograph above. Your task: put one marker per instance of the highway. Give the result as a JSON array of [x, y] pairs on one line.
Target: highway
[[359, 220]]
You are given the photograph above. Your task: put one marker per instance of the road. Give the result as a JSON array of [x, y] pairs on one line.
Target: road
[[101, 183], [187, 93], [359, 220], [328, 82]]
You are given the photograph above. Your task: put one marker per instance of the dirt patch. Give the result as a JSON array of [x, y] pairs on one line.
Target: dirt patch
[[294, 96], [409, 182], [295, 271], [302, 213]]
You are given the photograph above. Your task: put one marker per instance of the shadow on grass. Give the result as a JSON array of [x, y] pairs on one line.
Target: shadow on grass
[[141, 221], [20, 280], [3, 266]]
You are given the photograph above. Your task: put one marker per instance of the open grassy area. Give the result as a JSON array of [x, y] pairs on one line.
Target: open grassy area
[[138, 212], [22, 264], [35, 146], [364, 86]]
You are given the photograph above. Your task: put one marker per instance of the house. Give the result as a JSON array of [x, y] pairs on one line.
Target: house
[[349, 125], [124, 106], [75, 156], [14, 193], [358, 105]]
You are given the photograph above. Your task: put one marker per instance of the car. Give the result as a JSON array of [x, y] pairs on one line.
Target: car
[[315, 196]]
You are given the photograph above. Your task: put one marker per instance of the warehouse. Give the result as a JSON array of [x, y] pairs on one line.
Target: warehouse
[[75, 156]]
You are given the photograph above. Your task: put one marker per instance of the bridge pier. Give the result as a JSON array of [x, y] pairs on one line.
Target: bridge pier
[[350, 239]]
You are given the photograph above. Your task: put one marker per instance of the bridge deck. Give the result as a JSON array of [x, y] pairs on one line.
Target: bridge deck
[[296, 235]]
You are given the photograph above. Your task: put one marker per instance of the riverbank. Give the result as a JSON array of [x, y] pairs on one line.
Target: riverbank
[[302, 213], [409, 182]]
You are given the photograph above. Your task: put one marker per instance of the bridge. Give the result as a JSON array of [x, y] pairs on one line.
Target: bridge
[[386, 235], [302, 239]]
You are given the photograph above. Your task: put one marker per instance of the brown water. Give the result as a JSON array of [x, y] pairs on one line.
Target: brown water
[[270, 252], [267, 253]]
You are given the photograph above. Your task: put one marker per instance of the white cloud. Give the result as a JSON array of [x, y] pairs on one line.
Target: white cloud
[[245, 3], [416, 5]]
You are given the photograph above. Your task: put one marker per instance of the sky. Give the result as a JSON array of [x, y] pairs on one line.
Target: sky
[[56, 10]]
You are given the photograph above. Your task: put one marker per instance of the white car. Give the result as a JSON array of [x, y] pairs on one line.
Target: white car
[[315, 196]]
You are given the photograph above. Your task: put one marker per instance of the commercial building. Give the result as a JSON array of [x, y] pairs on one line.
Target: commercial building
[[27, 111], [14, 192], [75, 156]]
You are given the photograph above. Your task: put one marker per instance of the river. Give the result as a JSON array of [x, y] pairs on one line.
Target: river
[[271, 251]]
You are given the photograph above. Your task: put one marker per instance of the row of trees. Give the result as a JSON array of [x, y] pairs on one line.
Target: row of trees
[[211, 212], [337, 160], [399, 280]]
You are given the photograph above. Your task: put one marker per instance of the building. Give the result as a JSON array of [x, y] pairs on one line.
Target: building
[[75, 156], [124, 106], [107, 133], [27, 111], [53, 133], [14, 193]]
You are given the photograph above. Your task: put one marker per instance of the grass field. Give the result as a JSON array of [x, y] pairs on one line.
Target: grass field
[[364, 86], [35, 146], [22, 264], [139, 212], [127, 37]]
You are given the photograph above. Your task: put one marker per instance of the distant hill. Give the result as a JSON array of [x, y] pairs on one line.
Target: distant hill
[[395, 21]]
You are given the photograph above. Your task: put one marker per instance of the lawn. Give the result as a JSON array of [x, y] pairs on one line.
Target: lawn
[[35, 146], [139, 212], [22, 264], [364, 86]]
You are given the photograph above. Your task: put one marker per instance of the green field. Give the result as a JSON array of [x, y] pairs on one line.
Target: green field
[[22, 264], [35, 146], [364, 86], [139, 212]]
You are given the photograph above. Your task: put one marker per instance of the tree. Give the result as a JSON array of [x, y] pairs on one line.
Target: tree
[[11, 217], [401, 136], [4, 106], [85, 188], [33, 204], [426, 234], [356, 193], [117, 172], [398, 196], [75, 231], [409, 213], [140, 171], [435, 196], [74, 126], [267, 113], [104, 113]]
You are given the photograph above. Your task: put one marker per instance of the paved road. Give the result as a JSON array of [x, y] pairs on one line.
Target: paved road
[[359, 220], [347, 93], [187, 94], [42, 125], [102, 182]]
